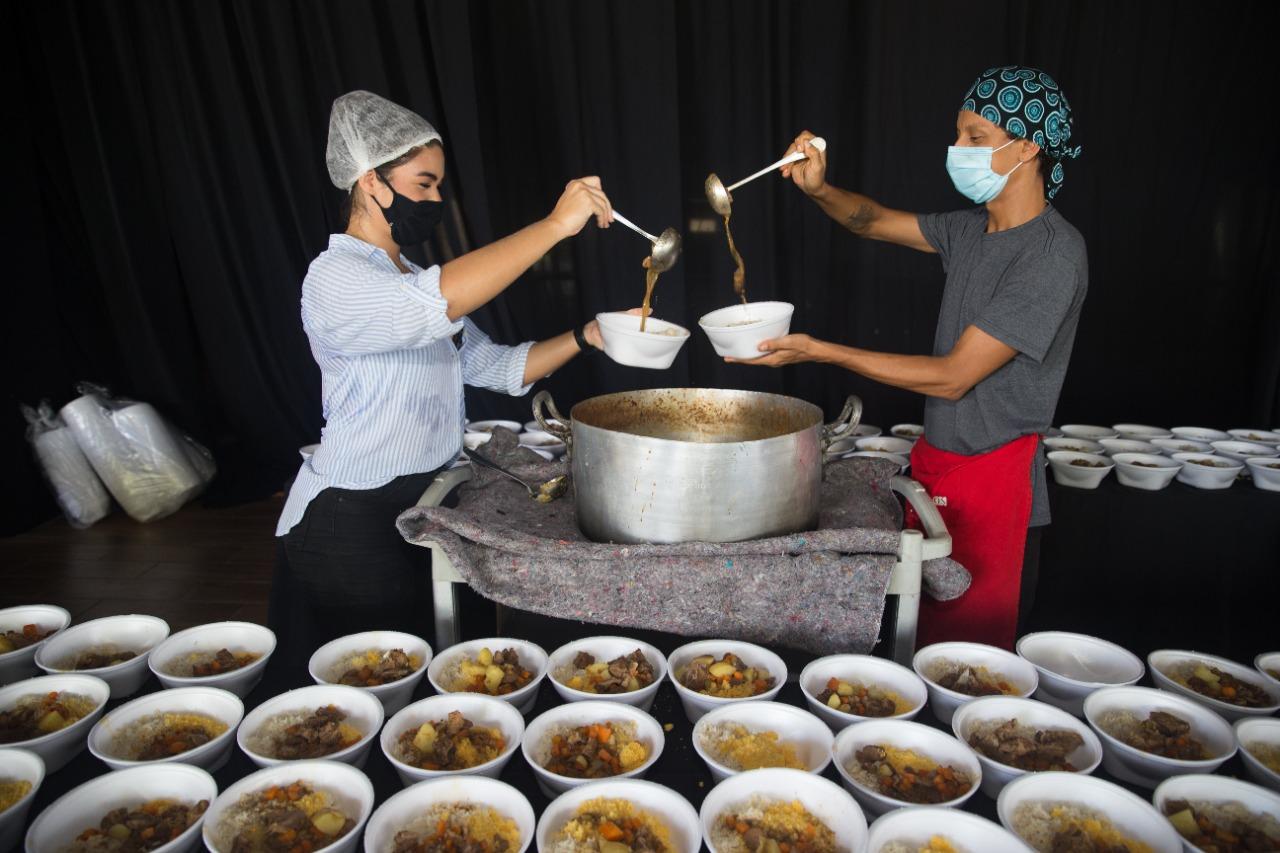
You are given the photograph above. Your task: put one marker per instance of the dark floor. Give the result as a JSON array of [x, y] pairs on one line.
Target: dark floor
[[199, 565]]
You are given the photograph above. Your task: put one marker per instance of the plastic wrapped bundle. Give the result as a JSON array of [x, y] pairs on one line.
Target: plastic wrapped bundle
[[76, 487], [150, 468]]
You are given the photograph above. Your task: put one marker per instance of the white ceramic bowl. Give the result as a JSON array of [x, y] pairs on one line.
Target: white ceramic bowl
[[1170, 446], [1029, 712], [1093, 433], [393, 696], [1242, 450], [760, 321], [839, 449], [1266, 663], [902, 734], [536, 744], [821, 797], [1160, 661], [1137, 767], [1112, 446], [942, 701], [57, 748], [1202, 434], [1141, 432], [1143, 476], [1252, 731], [472, 440], [902, 462], [351, 790], [480, 710], [532, 656], [865, 669], [606, 649], [403, 808], [1075, 445], [885, 444], [490, 426], [1127, 812], [1256, 436], [673, 810], [911, 432], [83, 807], [1266, 475], [232, 636], [1221, 476], [696, 704], [915, 826], [20, 663], [656, 347], [222, 705], [810, 736], [363, 711], [534, 426], [1072, 666], [137, 632], [1078, 476], [1216, 789], [18, 765], [865, 431], [539, 440]]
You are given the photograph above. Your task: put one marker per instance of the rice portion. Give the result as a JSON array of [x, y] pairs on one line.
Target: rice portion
[[1267, 753], [594, 819], [132, 740], [739, 748], [1037, 823], [11, 791], [457, 824]]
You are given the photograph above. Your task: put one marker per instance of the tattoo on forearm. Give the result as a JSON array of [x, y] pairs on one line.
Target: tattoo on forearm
[[860, 220]]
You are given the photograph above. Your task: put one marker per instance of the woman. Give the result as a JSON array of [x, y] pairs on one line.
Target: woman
[[395, 346]]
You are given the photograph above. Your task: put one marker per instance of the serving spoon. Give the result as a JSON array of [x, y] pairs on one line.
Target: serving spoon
[[545, 493], [666, 246], [718, 195]]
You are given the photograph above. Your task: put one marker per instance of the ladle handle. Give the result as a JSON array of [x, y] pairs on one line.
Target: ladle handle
[[618, 217], [795, 157]]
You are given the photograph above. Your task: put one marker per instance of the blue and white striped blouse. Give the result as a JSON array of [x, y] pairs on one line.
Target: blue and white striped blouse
[[391, 377]]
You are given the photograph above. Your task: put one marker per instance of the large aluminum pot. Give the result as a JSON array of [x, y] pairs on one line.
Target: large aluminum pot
[[695, 464]]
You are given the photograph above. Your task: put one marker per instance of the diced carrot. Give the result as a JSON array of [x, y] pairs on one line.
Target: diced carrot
[[610, 831], [1229, 692], [833, 683], [741, 827]]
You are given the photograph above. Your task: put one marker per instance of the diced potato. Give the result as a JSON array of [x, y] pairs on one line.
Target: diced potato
[[751, 674], [705, 660], [844, 688], [1185, 822], [1203, 673], [577, 683], [328, 821], [598, 668], [470, 670], [465, 752], [6, 645], [485, 658], [51, 722], [834, 701], [771, 846], [119, 831], [721, 669], [612, 846], [633, 683], [425, 739], [492, 678], [350, 734]]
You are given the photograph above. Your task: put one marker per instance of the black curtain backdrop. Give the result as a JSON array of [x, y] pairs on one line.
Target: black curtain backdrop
[[170, 190]]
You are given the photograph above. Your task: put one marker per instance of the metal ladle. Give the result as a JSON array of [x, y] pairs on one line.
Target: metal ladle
[[666, 246], [718, 195], [546, 493]]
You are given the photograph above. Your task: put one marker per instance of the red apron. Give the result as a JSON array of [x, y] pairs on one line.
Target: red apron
[[986, 502]]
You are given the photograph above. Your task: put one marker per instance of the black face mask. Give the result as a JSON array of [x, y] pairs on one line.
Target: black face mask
[[412, 222]]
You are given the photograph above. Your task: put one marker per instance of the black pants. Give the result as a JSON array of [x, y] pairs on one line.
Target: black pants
[[344, 568], [1030, 577]]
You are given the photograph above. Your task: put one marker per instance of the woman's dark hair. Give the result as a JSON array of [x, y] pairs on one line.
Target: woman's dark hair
[[384, 172]]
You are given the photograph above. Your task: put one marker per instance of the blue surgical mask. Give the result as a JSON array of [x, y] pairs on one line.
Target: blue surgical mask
[[971, 172]]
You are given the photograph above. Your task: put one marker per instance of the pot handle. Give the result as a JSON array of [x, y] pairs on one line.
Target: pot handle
[[542, 404], [842, 426]]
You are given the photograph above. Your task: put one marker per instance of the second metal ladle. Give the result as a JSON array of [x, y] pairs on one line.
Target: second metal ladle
[[666, 246], [718, 195]]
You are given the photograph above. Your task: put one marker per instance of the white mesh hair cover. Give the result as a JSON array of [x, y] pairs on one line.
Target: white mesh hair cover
[[366, 130]]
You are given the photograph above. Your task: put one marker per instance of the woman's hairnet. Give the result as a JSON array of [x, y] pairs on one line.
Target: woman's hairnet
[[367, 130]]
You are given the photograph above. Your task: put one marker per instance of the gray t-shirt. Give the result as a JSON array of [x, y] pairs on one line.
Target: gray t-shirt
[[1024, 287]]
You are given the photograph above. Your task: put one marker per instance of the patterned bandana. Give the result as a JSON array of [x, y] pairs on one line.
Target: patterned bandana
[[1028, 104]]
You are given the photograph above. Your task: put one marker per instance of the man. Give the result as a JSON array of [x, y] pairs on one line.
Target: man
[[1016, 279]]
